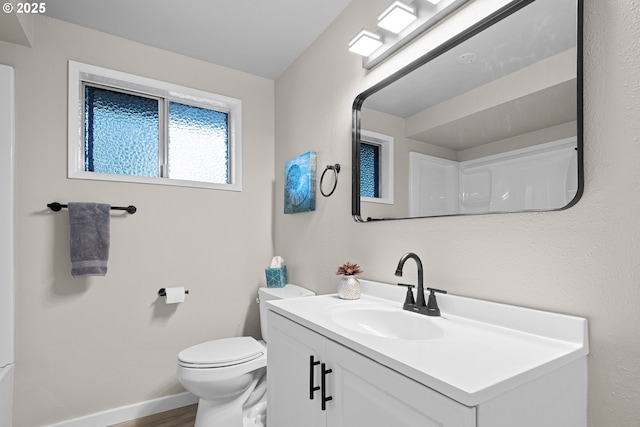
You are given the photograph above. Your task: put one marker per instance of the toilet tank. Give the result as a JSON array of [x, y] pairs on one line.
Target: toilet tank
[[267, 294]]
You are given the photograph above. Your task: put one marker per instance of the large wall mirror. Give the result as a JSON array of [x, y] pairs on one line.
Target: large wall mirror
[[489, 122]]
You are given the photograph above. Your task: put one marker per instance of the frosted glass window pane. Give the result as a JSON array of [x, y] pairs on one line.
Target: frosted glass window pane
[[369, 170], [198, 144], [121, 133]]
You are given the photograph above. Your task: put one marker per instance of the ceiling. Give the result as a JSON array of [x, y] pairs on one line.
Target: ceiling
[[513, 84], [540, 30], [256, 36]]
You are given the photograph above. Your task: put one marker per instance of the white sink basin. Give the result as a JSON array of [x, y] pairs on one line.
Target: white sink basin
[[473, 352], [386, 322]]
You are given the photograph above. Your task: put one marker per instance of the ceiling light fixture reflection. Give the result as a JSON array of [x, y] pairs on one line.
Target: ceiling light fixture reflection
[[365, 43], [397, 17]]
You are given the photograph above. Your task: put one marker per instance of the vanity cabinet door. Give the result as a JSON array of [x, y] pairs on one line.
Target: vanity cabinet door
[[289, 353], [358, 391], [366, 393]]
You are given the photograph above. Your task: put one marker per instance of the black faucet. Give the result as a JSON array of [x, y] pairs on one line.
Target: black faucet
[[419, 306], [420, 297]]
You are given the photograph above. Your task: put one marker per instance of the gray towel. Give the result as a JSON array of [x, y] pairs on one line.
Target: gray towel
[[89, 226]]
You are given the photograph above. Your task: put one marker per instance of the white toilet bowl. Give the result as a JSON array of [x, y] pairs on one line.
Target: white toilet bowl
[[224, 374], [229, 375]]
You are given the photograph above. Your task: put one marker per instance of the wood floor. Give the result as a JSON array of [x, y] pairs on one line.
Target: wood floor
[[181, 417]]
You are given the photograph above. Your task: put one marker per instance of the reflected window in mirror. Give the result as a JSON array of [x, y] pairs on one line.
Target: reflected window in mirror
[[369, 170], [376, 167]]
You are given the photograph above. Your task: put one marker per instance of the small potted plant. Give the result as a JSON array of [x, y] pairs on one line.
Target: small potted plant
[[349, 285]]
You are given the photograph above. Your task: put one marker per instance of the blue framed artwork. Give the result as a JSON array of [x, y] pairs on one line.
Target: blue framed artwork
[[300, 184]]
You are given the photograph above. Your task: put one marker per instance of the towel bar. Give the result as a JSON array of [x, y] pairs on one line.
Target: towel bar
[[55, 206]]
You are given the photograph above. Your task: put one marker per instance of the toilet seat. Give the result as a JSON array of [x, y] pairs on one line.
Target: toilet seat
[[229, 375], [221, 353]]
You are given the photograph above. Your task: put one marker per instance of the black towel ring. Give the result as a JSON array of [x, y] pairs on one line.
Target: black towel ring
[[336, 170]]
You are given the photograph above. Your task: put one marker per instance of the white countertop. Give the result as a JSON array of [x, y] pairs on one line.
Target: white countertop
[[485, 349]]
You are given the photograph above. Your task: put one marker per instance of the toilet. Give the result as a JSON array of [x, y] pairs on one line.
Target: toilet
[[229, 375]]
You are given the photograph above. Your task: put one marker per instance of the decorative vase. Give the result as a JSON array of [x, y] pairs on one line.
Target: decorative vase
[[349, 287]]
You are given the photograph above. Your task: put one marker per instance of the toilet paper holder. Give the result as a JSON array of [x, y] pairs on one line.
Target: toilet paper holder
[[162, 292]]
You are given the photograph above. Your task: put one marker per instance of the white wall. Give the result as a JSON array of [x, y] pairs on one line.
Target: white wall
[[85, 345], [582, 261]]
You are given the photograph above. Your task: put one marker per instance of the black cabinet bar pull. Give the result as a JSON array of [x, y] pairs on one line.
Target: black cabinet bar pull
[[312, 365], [323, 392]]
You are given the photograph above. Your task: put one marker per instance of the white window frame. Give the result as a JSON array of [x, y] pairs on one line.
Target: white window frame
[[385, 142], [79, 73]]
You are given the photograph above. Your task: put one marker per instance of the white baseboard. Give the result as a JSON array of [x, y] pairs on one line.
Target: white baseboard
[[131, 412]]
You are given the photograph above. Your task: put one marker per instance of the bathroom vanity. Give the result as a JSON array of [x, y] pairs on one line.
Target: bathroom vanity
[[367, 362]]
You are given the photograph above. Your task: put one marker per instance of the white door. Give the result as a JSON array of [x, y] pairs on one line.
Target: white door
[[366, 393], [433, 186], [6, 244], [294, 358]]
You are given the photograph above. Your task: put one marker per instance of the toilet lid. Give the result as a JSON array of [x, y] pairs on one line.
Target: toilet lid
[[222, 352]]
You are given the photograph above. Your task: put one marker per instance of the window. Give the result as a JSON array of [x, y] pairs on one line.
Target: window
[[376, 167], [129, 128], [369, 170]]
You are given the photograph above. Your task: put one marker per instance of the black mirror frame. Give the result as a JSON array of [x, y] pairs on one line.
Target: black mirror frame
[[480, 26]]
